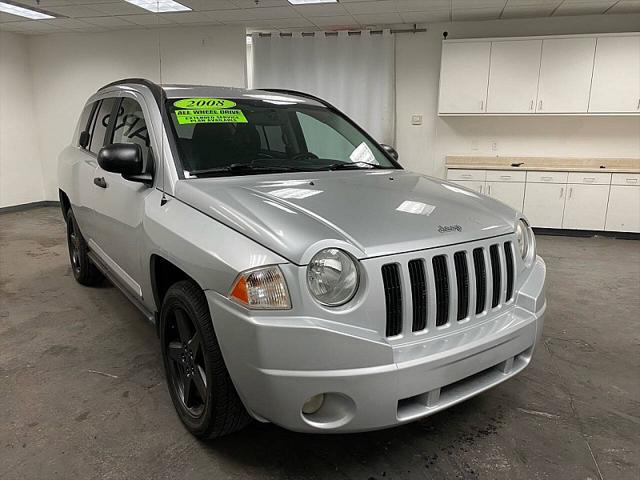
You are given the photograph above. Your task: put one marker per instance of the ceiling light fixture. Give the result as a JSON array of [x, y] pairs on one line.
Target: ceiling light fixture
[[159, 6], [310, 2], [23, 12]]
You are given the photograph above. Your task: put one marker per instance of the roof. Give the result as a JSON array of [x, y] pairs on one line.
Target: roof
[[197, 91]]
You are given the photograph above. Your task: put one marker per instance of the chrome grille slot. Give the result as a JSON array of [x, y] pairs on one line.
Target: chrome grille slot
[[481, 279], [495, 275], [462, 282], [441, 277], [393, 298], [418, 294], [508, 256]]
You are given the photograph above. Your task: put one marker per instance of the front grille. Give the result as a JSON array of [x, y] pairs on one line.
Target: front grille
[[393, 298], [466, 281]]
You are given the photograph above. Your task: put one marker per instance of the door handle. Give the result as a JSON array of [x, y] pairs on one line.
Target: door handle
[[540, 105], [100, 182], [561, 192], [570, 192]]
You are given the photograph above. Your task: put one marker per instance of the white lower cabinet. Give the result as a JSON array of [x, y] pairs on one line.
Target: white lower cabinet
[[623, 214], [586, 207], [511, 193], [476, 185], [544, 204]]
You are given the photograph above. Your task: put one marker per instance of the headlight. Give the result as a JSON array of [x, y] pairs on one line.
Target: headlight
[[262, 289], [526, 242], [332, 277]]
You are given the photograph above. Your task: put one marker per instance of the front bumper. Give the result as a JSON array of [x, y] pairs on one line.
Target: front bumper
[[277, 363]]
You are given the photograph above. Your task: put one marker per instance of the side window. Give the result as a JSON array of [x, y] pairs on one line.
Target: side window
[[101, 123], [272, 139], [130, 126], [84, 124], [323, 140]]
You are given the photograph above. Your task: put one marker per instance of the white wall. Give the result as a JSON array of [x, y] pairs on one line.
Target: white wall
[[423, 148], [20, 168], [68, 68]]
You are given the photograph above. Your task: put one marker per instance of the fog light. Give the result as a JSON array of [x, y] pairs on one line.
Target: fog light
[[313, 404]]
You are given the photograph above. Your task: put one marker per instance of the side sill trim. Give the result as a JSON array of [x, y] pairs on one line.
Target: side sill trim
[[116, 281]]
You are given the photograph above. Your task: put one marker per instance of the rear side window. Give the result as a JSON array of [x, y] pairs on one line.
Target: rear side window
[[101, 123], [84, 124]]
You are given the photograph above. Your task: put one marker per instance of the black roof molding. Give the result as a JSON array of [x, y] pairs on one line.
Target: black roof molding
[[156, 90]]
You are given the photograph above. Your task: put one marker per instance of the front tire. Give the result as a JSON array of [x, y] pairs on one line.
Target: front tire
[[199, 383], [84, 271]]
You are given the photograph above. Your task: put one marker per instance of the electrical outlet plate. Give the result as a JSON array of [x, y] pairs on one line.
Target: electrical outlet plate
[[416, 119]]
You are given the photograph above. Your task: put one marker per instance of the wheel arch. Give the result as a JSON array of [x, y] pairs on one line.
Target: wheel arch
[[165, 273], [65, 203]]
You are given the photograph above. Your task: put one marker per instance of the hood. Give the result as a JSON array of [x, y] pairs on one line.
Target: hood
[[368, 213]]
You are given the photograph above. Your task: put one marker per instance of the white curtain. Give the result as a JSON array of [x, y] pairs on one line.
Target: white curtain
[[355, 73]]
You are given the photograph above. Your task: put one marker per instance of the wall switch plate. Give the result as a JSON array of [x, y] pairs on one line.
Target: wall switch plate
[[494, 146], [416, 119]]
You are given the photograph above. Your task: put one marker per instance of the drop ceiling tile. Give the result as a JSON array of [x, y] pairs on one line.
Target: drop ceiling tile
[[291, 22], [6, 17], [43, 4], [425, 17], [75, 11], [189, 18], [626, 6], [109, 22], [379, 6], [323, 10], [31, 27], [150, 19], [338, 21], [204, 5], [422, 5], [583, 8], [69, 23], [121, 8], [260, 4], [378, 18], [478, 4], [533, 3]]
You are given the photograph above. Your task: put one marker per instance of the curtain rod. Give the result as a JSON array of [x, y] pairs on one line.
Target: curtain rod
[[349, 32]]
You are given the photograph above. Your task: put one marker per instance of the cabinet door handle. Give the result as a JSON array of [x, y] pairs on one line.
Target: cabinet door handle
[[489, 191], [482, 105], [589, 179], [638, 104], [465, 175], [531, 105], [540, 105], [546, 179], [505, 177], [570, 192], [561, 192], [480, 188], [632, 180]]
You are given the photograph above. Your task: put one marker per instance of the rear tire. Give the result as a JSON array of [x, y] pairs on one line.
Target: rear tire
[[199, 383], [84, 271]]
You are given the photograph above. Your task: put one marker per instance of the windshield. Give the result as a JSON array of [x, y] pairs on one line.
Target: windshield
[[217, 137]]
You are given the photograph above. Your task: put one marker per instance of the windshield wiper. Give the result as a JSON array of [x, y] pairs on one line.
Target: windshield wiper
[[354, 166], [243, 168]]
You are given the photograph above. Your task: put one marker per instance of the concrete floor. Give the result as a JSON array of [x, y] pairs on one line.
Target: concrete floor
[[573, 414]]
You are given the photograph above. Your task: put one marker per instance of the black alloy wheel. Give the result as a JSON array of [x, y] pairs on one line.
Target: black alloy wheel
[[187, 368]]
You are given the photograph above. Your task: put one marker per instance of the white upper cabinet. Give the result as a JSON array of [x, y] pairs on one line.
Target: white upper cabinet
[[513, 78], [616, 75], [464, 75], [565, 75]]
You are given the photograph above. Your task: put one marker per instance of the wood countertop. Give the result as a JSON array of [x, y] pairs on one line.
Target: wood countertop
[[562, 164]]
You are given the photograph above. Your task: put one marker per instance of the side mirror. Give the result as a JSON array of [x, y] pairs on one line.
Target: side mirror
[[390, 150], [84, 139], [125, 159]]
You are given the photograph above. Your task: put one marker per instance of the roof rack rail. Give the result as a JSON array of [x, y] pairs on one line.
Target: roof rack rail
[[156, 90], [299, 94]]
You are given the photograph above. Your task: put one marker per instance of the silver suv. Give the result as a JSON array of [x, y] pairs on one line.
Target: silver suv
[[295, 272]]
